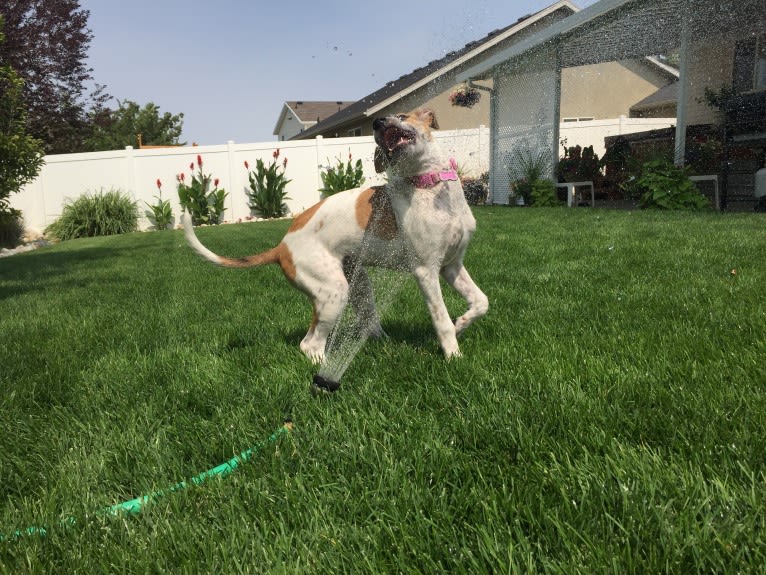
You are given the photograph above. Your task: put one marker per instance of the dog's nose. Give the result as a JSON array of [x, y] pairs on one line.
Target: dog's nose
[[378, 123]]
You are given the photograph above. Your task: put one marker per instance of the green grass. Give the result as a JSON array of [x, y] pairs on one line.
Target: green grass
[[609, 415]]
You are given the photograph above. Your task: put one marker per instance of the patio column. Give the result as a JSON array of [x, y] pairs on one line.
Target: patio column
[[683, 88], [525, 117]]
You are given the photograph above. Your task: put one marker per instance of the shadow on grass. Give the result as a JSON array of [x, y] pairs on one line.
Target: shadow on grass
[[48, 268], [419, 336]]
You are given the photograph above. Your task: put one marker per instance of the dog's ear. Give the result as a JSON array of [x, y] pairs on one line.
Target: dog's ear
[[381, 160], [428, 118]]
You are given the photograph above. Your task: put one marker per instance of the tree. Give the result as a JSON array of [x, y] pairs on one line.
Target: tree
[[115, 129], [46, 43], [21, 155]]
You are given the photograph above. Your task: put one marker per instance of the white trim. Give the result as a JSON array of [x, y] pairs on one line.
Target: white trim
[[666, 68]]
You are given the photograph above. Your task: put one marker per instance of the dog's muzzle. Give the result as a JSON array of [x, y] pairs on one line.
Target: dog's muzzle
[[391, 136]]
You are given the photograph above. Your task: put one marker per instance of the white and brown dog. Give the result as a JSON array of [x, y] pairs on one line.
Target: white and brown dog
[[418, 222]]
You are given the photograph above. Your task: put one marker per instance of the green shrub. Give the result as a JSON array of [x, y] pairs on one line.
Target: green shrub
[[543, 194], [11, 228], [341, 177], [160, 212], [99, 214], [526, 165], [205, 206], [665, 186], [267, 195]]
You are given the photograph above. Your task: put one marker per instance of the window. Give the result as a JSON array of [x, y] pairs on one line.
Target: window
[[355, 132], [750, 64]]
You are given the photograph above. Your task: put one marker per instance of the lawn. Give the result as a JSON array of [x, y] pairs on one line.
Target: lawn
[[608, 415]]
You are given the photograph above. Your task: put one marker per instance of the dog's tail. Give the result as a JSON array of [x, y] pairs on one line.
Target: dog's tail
[[271, 256]]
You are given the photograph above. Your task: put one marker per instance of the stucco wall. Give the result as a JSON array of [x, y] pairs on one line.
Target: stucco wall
[[606, 90]]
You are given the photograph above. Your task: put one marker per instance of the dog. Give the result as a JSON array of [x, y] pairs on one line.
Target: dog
[[418, 222]]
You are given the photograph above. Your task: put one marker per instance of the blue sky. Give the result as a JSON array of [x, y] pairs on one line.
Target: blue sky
[[229, 65]]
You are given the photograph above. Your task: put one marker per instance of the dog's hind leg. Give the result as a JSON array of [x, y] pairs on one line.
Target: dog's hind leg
[[329, 297], [362, 297], [478, 304]]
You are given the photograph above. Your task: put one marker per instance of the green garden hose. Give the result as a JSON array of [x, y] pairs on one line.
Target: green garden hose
[[135, 506]]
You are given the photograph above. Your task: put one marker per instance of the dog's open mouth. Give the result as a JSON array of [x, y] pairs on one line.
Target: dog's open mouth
[[395, 138]]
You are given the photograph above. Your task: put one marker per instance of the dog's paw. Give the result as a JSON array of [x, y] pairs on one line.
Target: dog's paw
[[454, 354], [315, 355], [377, 332]]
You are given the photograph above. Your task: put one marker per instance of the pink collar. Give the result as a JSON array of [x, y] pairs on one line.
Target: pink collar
[[430, 179]]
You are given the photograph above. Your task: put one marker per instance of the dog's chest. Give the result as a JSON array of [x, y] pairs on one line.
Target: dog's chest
[[437, 220]]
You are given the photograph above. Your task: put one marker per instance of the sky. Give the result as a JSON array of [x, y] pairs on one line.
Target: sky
[[229, 65]]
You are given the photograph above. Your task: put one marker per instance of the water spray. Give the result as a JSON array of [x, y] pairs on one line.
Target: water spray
[[353, 328]]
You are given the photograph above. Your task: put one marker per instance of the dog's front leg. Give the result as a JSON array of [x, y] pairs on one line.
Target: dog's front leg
[[478, 304], [428, 280]]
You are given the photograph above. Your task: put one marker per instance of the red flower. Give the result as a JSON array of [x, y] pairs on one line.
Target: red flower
[[180, 177], [215, 183], [159, 183], [199, 160], [191, 166], [284, 164], [247, 166], [275, 155]]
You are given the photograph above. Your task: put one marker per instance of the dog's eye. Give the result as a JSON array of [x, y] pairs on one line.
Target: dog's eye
[[402, 117]]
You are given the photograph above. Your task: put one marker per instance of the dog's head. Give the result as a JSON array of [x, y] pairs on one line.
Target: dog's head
[[403, 140]]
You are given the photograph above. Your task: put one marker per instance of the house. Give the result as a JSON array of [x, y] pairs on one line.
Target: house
[[721, 90], [603, 90], [297, 116]]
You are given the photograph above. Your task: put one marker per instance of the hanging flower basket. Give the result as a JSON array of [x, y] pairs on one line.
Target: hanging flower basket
[[465, 96]]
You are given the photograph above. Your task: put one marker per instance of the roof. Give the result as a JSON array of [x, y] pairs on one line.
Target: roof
[[662, 97], [395, 90], [310, 111], [590, 44]]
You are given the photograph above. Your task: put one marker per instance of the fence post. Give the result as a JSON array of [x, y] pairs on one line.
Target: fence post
[[230, 162], [130, 161], [319, 147]]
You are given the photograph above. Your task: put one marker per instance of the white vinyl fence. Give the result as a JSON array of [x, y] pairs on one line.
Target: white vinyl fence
[[135, 172]]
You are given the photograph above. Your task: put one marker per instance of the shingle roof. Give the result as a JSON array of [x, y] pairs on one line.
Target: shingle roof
[[664, 96], [390, 89], [315, 111]]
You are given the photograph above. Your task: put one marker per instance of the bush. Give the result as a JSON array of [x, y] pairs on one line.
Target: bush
[[578, 164], [11, 228], [205, 206], [267, 194], [160, 212], [341, 177], [543, 194], [526, 165], [100, 214], [476, 190], [665, 186]]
